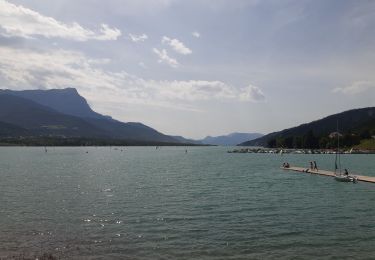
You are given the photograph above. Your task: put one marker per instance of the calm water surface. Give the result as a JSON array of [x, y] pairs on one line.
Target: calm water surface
[[144, 203]]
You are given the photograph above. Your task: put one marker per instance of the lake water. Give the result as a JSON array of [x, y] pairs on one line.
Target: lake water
[[144, 203]]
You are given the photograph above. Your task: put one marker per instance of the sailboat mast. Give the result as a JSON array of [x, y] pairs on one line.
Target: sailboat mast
[[337, 159], [337, 126]]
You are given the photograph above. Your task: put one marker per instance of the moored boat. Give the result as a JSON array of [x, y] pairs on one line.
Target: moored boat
[[346, 178]]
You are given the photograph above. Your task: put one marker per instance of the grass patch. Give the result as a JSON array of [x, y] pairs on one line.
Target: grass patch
[[366, 144]]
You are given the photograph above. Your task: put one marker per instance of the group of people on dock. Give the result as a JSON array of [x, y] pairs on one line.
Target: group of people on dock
[[313, 166], [286, 165]]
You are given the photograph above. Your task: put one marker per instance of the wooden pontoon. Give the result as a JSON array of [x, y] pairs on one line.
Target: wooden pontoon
[[328, 173]]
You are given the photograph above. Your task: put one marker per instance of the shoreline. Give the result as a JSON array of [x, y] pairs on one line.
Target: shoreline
[[300, 151], [83, 142]]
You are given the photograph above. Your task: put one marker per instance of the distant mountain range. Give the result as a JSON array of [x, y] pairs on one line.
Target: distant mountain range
[[354, 125], [187, 140], [230, 139], [64, 113]]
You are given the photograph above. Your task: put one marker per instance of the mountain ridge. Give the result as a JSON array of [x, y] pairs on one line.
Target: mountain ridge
[[66, 101], [42, 120], [60, 111]]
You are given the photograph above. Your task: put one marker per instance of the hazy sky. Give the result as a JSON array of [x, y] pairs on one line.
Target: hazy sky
[[197, 67]]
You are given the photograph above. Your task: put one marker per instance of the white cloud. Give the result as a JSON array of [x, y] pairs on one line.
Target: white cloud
[[107, 33], [196, 34], [252, 93], [177, 45], [138, 38], [193, 90], [355, 88], [28, 69], [16, 20], [163, 57]]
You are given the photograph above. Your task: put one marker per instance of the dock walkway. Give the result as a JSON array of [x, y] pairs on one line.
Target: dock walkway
[[328, 173]]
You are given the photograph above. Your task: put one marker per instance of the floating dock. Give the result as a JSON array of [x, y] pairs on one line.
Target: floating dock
[[328, 173]]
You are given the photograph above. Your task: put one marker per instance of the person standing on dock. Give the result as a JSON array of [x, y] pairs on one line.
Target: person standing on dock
[[315, 166]]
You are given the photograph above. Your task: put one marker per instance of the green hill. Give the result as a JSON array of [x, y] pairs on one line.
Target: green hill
[[355, 125], [366, 144]]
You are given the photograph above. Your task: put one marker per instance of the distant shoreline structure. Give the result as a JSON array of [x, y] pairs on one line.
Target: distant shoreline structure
[[300, 151]]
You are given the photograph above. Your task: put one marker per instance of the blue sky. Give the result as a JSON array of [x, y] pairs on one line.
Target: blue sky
[[196, 68]]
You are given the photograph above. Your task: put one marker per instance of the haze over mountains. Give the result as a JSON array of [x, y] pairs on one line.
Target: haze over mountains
[[230, 139]]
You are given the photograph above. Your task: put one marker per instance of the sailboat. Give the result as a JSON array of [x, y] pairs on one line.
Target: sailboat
[[339, 176]]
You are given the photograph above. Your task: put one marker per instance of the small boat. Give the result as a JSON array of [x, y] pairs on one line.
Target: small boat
[[346, 178]]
